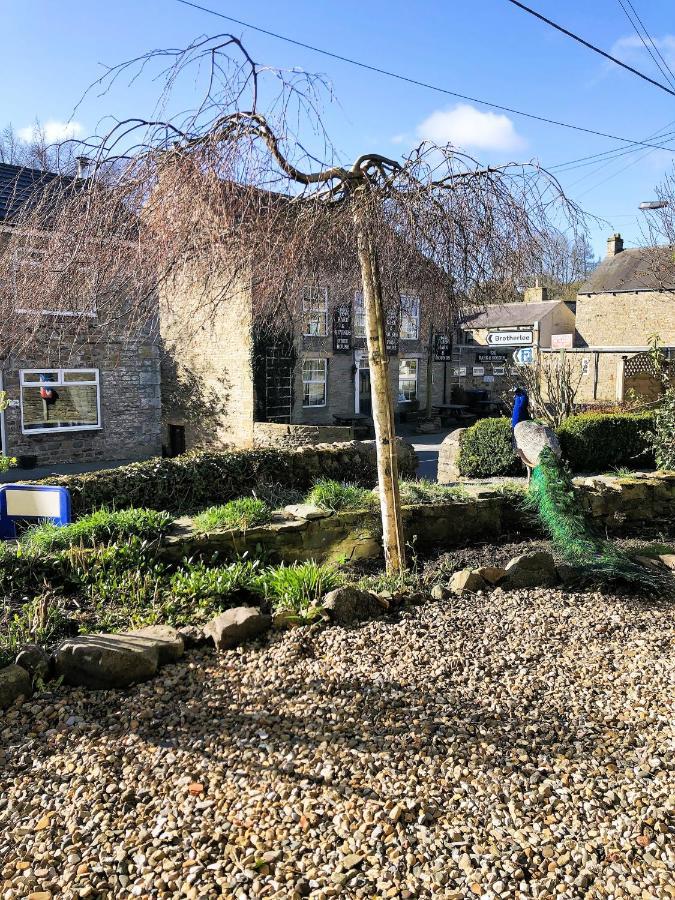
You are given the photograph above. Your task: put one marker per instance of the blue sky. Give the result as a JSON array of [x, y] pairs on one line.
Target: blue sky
[[490, 50]]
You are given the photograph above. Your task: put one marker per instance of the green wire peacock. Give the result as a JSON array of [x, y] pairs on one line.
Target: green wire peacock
[[551, 495]]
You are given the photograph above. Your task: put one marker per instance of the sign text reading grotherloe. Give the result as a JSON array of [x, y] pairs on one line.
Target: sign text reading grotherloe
[[509, 338]]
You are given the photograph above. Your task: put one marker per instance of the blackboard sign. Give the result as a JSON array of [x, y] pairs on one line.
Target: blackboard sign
[[342, 329], [491, 356], [442, 348], [392, 328]]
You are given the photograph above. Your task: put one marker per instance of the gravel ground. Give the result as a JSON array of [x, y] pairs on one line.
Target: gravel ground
[[511, 745]]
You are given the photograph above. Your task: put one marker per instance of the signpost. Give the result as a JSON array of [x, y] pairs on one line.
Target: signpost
[[342, 329], [509, 338]]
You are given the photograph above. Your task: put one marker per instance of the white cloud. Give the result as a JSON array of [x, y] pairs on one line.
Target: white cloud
[[465, 126], [631, 49], [53, 131]]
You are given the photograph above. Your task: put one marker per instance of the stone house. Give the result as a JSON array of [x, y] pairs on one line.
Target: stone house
[[626, 304], [74, 401]]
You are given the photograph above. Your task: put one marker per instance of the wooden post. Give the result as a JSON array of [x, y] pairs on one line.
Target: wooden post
[[393, 539]]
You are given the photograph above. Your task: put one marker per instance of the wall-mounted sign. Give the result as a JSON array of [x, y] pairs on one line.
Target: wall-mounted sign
[[488, 379], [442, 348], [523, 357], [478, 370], [509, 338], [499, 370], [342, 329], [392, 330], [491, 356], [459, 370], [562, 341]]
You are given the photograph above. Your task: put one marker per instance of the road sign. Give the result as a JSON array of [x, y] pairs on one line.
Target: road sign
[[509, 338], [523, 357]]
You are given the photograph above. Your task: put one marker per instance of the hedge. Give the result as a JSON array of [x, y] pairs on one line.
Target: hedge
[[193, 481], [591, 442], [597, 442]]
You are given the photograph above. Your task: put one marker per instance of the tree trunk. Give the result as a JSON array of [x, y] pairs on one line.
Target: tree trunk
[[393, 539]]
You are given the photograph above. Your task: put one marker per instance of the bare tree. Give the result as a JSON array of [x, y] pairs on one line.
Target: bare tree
[[245, 188], [552, 385]]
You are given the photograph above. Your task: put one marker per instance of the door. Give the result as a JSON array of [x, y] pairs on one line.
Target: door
[[363, 405]]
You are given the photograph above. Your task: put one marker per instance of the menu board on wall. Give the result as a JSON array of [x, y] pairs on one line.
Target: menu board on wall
[[392, 330], [442, 348], [342, 329]]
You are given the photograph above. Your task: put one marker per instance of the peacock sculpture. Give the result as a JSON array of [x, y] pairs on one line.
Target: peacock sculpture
[[551, 496]]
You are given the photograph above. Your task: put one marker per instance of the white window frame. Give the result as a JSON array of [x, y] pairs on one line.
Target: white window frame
[[359, 315], [315, 302], [25, 256], [401, 397], [323, 381], [410, 317], [61, 383]]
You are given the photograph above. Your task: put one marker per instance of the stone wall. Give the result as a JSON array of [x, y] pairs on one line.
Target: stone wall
[[626, 319], [272, 434], [615, 504]]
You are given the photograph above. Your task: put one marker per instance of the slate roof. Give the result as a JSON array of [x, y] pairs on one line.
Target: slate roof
[[510, 315], [639, 269], [19, 183]]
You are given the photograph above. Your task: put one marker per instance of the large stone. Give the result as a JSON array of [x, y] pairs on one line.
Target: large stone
[[234, 626], [531, 438], [34, 660], [492, 574], [348, 604], [104, 661], [531, 570], [14, 683], [169, 642], [448, 457], [193, 636], [467, 581], [668, 559], [306, 511]]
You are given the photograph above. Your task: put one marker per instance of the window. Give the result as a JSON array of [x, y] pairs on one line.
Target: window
[[407, 380], [26, 261], [410, 317], [59, 400], [315, 310], [359, 316], [314, 382]]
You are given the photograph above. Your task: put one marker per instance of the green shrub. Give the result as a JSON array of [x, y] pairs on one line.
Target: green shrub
[[7, 462], [100, 527], [596, 442], [198, 581], [486, 450], [38, 621], [194, 481], [244, 513], [663, 441], [295, 587], [336, 495]]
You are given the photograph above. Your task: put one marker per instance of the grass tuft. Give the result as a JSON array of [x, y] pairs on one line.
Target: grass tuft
[[337, 495], [101, 527], [295, 587], [244, 513]]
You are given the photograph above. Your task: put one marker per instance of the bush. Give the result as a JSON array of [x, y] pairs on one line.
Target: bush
[[486, 450], [663, 440], [194, 481], [101, 527], [596, 442], [336, 495], [7, 462], [246, 512]]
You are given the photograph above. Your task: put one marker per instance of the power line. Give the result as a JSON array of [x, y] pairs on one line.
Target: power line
[[616, 152], [651, 41], [424, 84], [639, 33], [580, 40]]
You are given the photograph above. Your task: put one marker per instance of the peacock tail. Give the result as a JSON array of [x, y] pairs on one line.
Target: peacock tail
[[551, 495]]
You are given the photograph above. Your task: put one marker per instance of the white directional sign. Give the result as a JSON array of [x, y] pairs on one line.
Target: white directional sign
[[509, 338], [523, 357]]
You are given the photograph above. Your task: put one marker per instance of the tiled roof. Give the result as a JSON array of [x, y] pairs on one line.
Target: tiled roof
[[19, 183], [510, 315], [640, 269]]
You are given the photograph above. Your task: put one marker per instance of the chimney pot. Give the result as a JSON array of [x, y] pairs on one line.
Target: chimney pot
[[83, 163], [614, 245]]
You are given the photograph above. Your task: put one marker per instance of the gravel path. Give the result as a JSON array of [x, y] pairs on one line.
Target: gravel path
[[512, 745]]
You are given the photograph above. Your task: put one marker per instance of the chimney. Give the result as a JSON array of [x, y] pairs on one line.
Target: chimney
[[614, 245], [83, 163], [536, 294]]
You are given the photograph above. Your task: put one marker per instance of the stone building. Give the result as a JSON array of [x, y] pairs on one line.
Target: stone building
[[626, 305], [77, 401]]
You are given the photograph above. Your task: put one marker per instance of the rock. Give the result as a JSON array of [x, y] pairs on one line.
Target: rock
[[14, 683], [193, 636], [286, 618], [491, 574], [104, 661], [169, 642], [531, 438], [429, 426], [306, 511], [448, 457], [531, 570], [348, 604], [467, 581], [570, 574], [34, 660], [668, 559], [237, 625], [438, 592]]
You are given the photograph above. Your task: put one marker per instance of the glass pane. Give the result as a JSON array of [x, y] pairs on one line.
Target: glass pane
[[62, 407], [313, 370], [79, 375], [408, 367], [314, 395], [40, 377]]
